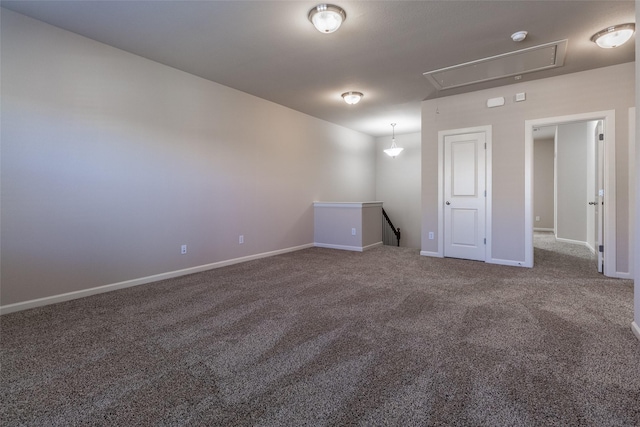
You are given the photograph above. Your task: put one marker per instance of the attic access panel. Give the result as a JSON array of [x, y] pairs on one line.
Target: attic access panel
[[536, 58]]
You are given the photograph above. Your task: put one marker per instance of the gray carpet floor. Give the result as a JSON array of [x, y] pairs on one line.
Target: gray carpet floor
[[322, 337]]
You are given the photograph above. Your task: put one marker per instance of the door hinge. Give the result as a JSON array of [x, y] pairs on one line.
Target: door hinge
[[485, 193], [485, 240], [601, 248], [601, 137], [485, 145]]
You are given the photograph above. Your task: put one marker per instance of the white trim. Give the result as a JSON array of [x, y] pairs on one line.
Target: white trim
[[632, 188], [609, 182], [577, 243], [543, 229], [623, 275], [347, 248], [488, 186], [571, 241], [636, 329], [555, 181], [39, 302], [340, 247], [440, 252], [373, 245], [431, 254], [347, 204], [528, 194], [509, 262]]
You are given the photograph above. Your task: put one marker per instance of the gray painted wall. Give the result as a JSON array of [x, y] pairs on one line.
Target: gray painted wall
[[543, 183], [398, 184], [608, 88], [335, 223], [371, 225], [110, 162]]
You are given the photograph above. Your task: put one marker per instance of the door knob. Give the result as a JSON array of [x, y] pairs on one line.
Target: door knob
[[448, 203]]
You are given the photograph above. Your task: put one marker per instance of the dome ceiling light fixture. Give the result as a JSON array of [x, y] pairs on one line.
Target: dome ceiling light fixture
[[351, 97], [614, 36], [394, 150], [327, 18]]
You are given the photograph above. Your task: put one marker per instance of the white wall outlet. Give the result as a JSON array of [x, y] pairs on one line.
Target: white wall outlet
[[240, 239], [183, 249], [353, 231], [431, 235], [522, 96], [537, 218]]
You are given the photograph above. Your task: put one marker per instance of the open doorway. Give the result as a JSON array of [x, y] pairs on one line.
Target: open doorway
[[567, 159], [606, 191]]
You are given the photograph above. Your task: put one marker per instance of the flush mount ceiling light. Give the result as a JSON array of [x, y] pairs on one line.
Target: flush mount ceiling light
[[327, 18], [614, 36], [394, 150], [352, 98]]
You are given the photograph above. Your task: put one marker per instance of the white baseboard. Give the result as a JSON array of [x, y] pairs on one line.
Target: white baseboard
[[623, 275], [11, 308], [636, 329], [374, 245], [542, 229], [340, 247], [508, 262], [347, 248], [489, 261], [431, 254], [573, 242]]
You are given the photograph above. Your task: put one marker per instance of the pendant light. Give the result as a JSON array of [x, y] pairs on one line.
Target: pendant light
[[394, 150]]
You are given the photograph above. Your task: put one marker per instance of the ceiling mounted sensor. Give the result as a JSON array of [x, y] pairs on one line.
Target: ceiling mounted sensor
[[519, 36], [352, 98], [327, 18], [536, 58], [614, 36]]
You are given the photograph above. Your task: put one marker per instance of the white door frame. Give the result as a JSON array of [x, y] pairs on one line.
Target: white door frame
[[632, 190], [608, 117], [441, 136]]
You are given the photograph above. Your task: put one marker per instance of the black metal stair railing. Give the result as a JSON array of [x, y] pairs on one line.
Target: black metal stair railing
[[390, 234]]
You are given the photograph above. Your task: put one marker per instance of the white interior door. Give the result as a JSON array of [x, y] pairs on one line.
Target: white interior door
[[465, 196]]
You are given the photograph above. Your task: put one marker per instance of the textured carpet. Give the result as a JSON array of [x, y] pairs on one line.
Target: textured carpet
[[325, 337]]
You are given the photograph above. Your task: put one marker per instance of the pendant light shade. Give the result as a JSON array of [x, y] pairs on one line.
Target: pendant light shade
[[614, 36], [327, 18], [394, 150]]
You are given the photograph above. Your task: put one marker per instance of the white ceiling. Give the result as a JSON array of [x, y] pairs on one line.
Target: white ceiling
[[269, 48]]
